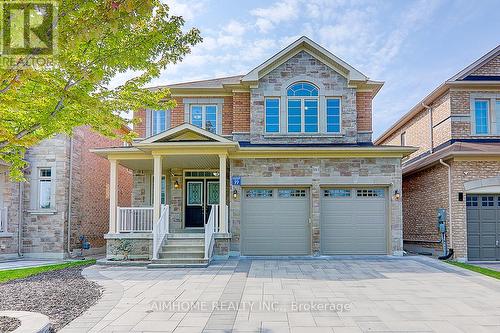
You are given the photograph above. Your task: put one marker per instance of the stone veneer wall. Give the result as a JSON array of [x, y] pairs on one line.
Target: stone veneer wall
[[9, 195], [316, 173], [303, 67]]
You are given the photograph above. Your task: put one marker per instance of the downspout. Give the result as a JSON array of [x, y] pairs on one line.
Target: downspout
[[20, 220], [70, 193], [449, 202], [431, 124]]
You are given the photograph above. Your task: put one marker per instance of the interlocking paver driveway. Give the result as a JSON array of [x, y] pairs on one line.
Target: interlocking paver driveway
[[382, 294]]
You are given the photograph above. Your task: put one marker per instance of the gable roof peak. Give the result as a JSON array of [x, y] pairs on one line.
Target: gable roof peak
[[304, 43]]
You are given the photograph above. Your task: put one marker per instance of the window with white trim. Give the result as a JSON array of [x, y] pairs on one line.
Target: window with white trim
[[302, 108], [204, 116], [158, 121], [44, 188], [333, 115], [272, 106], [482, 116]]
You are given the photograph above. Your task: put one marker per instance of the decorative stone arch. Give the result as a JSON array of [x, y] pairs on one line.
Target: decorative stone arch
[[487, 185], [306, 79]]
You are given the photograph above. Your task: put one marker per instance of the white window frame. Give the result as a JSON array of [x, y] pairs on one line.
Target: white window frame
[[50, 180], [279, 114], [474, 122], [326, 114], [167, 125], [204, 116], [303, 113]]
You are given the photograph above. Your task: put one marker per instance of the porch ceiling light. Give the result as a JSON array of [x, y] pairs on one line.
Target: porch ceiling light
[[216, 174]]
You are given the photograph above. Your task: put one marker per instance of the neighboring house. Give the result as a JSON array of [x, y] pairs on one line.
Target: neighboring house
[[63, 179], [457, 165], [281, 160]]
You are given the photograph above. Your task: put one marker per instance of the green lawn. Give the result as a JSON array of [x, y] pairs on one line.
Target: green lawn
[[19, 273], [485, 271]]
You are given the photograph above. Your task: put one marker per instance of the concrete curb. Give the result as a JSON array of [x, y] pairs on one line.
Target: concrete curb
[[31, 322]]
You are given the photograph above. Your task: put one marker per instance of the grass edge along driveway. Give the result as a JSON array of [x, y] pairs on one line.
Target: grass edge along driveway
[[481, 270], [19, 273]]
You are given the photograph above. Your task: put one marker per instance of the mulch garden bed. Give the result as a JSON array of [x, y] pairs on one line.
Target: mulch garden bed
[[62, 295]]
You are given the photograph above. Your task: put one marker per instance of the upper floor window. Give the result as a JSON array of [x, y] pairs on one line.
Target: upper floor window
[[204, 116], [272, 115], [481, 116], [302, 108], [158, 121], [333, 115], [44, 188]]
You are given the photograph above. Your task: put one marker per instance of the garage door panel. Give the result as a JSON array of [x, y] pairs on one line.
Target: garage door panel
[[483, 226], [276, 224], [353, 224]]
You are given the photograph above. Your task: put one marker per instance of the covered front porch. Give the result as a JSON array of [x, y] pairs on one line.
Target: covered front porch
[[180, 192]]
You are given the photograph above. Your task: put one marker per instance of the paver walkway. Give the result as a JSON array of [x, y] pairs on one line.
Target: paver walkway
[[24, 263], [410, 294]]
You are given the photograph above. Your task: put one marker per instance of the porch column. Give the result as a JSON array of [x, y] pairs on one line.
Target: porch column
[[222, 193], [113, 195], [157, 188]]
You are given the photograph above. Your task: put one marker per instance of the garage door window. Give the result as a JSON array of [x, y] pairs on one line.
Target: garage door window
[[487, 201], [336, 193], [471, 201], [259, 193], [370, 193], [291, 193]]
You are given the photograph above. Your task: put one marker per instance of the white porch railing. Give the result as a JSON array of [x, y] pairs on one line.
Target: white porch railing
[[160, 230], [3, 219], [135, 219], [211, 227]]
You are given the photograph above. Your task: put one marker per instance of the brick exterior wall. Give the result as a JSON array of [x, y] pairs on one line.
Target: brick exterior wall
[[361, 171], [423, 193], [177, 113], [364, 110], [241, 112], [492, 67], [44, 235], [91, 201], [140, 125]]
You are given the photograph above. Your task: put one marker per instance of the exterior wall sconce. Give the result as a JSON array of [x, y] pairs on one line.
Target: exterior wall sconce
[[396, 195], [235, 193], [177, 185]]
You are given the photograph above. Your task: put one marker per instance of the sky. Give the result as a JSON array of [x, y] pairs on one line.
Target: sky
[[411, 45]]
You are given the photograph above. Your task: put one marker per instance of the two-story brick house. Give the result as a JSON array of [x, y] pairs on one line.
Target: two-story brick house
[[65, 196], [275, 162], [457, 166]]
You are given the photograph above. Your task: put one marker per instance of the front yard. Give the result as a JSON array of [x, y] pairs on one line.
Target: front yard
[[58, 291]]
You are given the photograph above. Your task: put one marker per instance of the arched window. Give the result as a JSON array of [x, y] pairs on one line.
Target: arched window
[[302, 89], [302, 108]]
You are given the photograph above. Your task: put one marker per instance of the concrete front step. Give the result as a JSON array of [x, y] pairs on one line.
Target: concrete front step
[[182, 247], [181, 255], [185, 235], [184, 262]]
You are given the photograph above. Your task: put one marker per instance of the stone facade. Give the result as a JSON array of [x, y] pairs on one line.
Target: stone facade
[[132, 246], [315, 173], [44, 232], [303, 67]]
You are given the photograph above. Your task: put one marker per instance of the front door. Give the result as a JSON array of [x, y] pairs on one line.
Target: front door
[[200, 195]]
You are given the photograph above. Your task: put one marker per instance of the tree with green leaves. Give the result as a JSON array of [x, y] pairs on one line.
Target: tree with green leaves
[[96, 41]]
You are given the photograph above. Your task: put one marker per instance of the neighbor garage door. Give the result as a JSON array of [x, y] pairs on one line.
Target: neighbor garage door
[[483, 227], [353, 221], [275, 221]]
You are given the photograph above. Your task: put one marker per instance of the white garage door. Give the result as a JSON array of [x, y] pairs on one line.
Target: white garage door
[[275, 221], [353, 221]]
